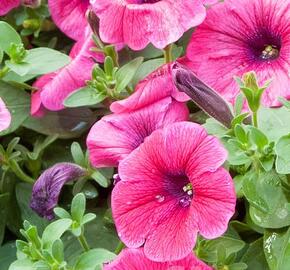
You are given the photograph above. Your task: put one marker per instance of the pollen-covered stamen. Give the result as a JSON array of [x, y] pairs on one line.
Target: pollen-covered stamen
[[270, 52], [187, 197]]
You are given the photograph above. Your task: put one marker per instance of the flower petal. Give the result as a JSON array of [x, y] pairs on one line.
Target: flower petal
[[5, 116], [7, 5], [69, 16]]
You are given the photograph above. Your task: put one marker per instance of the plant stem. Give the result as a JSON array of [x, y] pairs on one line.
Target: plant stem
[[168, 53], [119, 248], [19, 173], [83, 242], [255, 119]]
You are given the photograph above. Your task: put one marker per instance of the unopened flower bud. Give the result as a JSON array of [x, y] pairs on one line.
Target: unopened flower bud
[[47, 188], [93, 21], [202, 95]]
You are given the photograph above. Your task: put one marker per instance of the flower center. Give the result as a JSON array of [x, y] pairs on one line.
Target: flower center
[[265, 45], [186, 198]]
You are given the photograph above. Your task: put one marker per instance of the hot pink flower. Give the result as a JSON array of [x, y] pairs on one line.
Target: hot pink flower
[[132, 259], [55, 87], [70, 16], [115, 136], [5, 116], [158, 85], [139, 22], [172, 187], [7, 5], [243, 35]]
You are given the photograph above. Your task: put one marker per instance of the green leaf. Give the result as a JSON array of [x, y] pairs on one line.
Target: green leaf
[[7, 255], [8, 35], [282, 150], [236, 156], [61, 213], [24, 264], [85, 96], [274, 122], [126, 73], [93, 258], [100, 179], [78, 207], [78, 154], [54, 231], [239, 104], [19, 68], [258, 138], [213, 127], [254, 256], [19, 107], [57, 250], [241, 134], [146, 68], [45, 60], [268, 202], [68, 123], [4, 199], [277, 249], [23, 195]]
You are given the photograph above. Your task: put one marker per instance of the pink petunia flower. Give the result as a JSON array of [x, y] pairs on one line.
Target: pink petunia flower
[[5, 116], [55, 87], [139, 22], [7, 5], [239, 36], [132, 259], [158, 85], [70, 16], [171, 188], [115, 136]]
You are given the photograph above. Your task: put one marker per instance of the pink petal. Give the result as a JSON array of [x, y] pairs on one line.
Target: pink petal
[[227, 43], [7, 5], [213, 209], [71, 77], [132, 259], [5, 116], [113, 137], [139, 24], [158, 85], [37, 110], [69, 16], [150, 205]]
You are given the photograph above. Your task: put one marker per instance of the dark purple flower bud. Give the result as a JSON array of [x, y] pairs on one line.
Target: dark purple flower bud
[[201, 94], [31, 3], [47, 188], [93, 21]]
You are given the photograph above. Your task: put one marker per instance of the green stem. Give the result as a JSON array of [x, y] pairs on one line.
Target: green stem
[[119, 248], [4, 71], [83, 242], [19, 173], [255, 119], [168, 53]]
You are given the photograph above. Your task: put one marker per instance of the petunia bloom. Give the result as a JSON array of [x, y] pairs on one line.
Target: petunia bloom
[[115, 136], [132, 259], [5, 116], [156, 86], [47, 188], [55, 87], [7, 5], [140, 22], [172, 187], [70, 16], [239, 36]]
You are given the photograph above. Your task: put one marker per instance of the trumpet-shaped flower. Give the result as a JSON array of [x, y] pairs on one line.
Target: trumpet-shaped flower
[[156, 86], [239, 36], [5, 116], [172, 187], [47, 187], [132, 259], [115, 136], [70, 16], [140, 22]]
